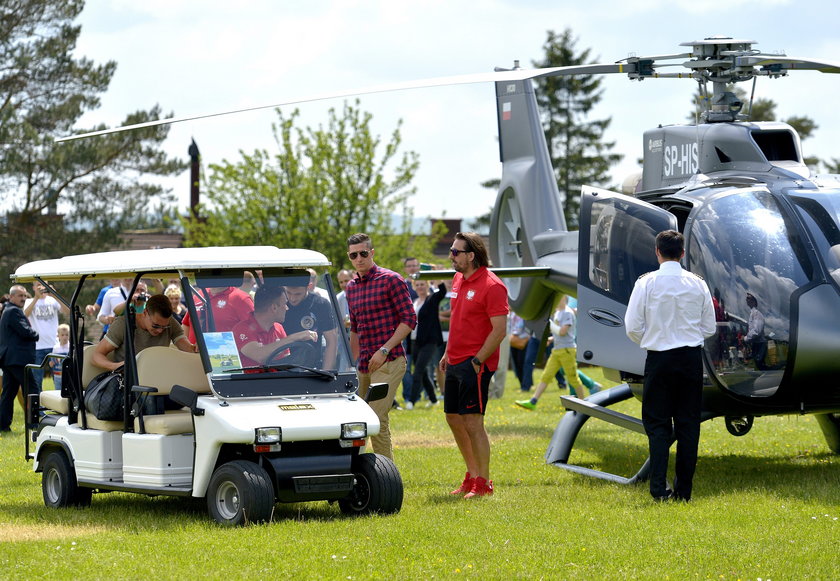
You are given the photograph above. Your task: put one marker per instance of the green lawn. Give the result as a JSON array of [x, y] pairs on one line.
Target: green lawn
[[766, 506]]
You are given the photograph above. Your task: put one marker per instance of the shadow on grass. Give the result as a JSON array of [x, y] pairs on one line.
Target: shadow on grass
[[118, 510], [815, 476]]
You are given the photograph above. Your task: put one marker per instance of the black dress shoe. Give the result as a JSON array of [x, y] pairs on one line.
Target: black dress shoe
[[669, 495]]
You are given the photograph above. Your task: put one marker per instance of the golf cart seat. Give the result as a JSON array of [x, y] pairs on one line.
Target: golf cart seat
[[161, 368], [52, 400]]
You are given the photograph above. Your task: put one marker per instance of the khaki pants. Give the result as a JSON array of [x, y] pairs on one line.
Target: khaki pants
[[391, 373]]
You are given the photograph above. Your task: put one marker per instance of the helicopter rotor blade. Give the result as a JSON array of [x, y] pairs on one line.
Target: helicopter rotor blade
[[740, 64], [788, 63], [496, 76]]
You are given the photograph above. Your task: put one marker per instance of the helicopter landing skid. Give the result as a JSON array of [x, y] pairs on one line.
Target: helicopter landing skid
[[580, 410]]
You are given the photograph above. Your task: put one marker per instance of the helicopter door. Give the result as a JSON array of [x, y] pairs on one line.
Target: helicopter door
[[616, 247]]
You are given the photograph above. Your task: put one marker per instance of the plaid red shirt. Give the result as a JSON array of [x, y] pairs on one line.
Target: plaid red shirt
[[379, 302]]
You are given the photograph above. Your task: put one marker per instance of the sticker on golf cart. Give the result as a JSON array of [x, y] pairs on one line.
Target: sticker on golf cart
[[221, 347], [291, 407]]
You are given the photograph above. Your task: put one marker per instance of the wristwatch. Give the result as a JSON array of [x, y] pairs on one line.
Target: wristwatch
[[476, 361], [385, 350]]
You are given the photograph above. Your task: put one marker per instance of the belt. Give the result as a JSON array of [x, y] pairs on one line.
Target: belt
[[676, 349]]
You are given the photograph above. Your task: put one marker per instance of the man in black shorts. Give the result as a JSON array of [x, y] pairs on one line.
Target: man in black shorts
[[476, 328]]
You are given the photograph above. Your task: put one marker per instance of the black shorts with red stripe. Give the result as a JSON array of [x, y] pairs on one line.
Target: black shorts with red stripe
[[463, 395]]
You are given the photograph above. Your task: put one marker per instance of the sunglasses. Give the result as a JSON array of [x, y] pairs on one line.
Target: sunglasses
[[456, 252], [362, 253]]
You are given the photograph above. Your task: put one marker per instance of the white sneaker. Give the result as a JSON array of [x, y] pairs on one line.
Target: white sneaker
[[432, 404], [408, 405]]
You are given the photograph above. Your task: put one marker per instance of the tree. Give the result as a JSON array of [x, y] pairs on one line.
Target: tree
[[576, 145], [75, 195], [319, 187]]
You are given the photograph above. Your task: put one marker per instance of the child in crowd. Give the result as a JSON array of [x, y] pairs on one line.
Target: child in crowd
[[564, 354], [62, 347]]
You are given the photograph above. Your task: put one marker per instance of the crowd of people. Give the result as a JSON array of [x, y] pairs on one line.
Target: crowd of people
[[443, 341]]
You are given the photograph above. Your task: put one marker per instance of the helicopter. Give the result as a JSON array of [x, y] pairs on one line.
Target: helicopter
[[757, 224], [759, 228]]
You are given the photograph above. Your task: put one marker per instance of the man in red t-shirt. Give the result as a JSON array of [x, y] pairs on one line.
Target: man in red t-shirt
[[262, 333], [230, 306], [476, 328]]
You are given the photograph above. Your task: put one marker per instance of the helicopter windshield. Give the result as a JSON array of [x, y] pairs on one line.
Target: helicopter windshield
[[751, 255], [265, 325]]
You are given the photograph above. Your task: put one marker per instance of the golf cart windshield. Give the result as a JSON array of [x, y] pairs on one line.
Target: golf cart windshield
[[269, 332]]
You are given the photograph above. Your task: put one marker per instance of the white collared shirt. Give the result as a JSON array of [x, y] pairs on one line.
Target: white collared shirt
[[670, 308]]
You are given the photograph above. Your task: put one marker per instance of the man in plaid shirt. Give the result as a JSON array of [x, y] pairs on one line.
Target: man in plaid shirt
[[381, 316]]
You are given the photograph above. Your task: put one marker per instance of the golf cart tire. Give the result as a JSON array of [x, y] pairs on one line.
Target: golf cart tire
[[378, 487], [240, 493], [58, 482]]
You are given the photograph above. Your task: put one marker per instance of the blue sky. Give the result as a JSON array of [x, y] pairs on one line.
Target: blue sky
[[203, 56]]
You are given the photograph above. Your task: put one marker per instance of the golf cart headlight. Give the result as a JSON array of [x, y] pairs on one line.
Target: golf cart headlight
[[267, 436], [354, 431]]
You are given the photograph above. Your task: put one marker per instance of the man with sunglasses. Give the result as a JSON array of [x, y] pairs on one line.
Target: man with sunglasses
[[476, 328], [155, 326], [381, 316]]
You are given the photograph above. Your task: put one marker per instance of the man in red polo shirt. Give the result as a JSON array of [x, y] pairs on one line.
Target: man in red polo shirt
[[262, 332], [476, 328], [230, 305]]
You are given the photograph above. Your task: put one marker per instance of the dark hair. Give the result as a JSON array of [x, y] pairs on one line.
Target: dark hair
[[475, 244], [267, 296], [670, 244], [359, 238], [406, 260], [159, 305], [751, 302]]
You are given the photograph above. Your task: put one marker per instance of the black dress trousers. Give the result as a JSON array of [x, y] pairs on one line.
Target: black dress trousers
[[671, 405]]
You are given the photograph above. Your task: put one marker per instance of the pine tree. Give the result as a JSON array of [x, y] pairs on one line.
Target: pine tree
[[576, 145]]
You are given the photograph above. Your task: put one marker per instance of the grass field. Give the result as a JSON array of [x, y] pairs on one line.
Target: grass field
[[766, 506]]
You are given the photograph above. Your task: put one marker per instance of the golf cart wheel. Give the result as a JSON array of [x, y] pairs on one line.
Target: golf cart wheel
[[240, 493], [58, 482], [378, 487]]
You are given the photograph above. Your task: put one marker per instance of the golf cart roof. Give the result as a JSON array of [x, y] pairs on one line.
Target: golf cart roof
[[125, 263]]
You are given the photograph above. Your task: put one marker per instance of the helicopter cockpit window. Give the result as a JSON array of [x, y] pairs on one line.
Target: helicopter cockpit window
[[752, 258], [621, 246]]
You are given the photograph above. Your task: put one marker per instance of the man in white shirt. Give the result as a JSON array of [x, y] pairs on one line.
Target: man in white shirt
[[670, 314], [116, 295], [42, 311]]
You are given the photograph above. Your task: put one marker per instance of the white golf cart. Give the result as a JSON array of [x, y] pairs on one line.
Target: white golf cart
[[206, 424]]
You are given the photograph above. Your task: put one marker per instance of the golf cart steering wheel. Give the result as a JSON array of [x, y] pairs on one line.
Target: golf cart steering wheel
[[301, 353]]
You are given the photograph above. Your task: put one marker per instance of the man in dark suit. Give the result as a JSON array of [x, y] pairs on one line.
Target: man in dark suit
[[17, 349]]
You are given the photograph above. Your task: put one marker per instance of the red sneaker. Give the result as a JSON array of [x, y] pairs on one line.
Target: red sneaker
[[481, 487], [466, 485]]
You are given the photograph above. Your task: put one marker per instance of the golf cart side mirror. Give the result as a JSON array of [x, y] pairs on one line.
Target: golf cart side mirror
[[187, 398], [376, 392]]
